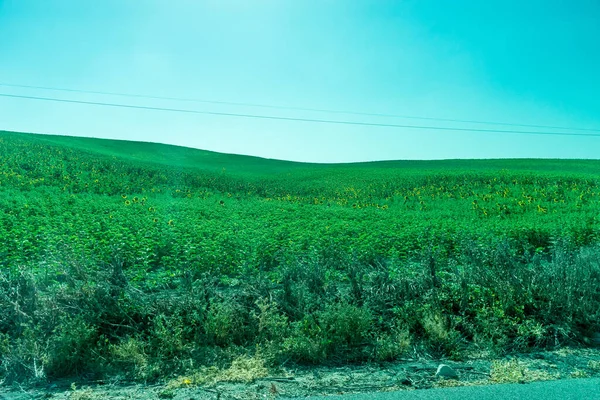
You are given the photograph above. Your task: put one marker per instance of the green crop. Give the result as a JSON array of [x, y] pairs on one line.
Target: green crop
[[445, 251]]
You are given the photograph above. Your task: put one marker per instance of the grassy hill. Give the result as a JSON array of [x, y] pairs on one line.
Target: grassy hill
[[152, 259]]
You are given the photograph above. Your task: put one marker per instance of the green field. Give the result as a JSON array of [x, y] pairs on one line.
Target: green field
[[152, 260]]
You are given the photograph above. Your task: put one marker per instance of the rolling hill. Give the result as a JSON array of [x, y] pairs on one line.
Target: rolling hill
[[115, 251]]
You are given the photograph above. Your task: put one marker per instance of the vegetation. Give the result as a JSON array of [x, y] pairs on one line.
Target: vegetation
[[148, 261]]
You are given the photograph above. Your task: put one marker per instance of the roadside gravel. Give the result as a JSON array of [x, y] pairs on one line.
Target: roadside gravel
[[319, 381]]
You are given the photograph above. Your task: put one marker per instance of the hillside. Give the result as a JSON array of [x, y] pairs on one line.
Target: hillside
[[175, 257]]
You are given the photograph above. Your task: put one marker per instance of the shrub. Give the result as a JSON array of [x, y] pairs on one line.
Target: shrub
[[23, 358], [390, 346], [72, 348], [440, 336], [306, 343], [224, 324], [345, 324], [130, 355], [271, 323]]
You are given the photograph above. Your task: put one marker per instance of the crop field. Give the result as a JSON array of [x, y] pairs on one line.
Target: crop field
[[148, 261]]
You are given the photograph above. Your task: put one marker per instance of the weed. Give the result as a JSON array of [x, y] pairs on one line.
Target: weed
[[512, 371], [390, 346], [594, 365], [243, 369]]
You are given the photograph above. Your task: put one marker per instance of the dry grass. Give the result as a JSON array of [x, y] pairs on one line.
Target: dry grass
[[594, 365], [243, 369], [512, 371]]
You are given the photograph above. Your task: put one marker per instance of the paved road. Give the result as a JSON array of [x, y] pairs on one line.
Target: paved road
[[570, 389]]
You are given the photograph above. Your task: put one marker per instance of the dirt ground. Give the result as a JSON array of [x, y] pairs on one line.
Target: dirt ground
[[303, 382]]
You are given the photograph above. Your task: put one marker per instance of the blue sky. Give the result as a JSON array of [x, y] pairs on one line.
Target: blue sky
[[525, 62]]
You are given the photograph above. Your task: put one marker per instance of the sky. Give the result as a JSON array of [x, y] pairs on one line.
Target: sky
[[530, 62]]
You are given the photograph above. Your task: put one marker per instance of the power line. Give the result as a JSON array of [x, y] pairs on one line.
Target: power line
[[273, 117], [297, 108]]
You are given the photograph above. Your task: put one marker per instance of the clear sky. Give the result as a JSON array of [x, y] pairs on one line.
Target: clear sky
[[517, 61]]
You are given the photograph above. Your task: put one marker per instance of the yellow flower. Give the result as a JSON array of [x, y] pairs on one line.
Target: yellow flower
[[124, 196], [127, 202], [170, 222]]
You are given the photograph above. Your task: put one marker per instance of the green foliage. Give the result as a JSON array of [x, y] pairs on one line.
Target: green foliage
[[345, 326], [152, 259], [71, 347], [130, 355], [389, 346], [272, 324], [224, 324], [338, 332], [306, 344]]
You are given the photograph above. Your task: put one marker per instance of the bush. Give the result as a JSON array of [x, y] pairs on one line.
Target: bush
[[225, 324], [390, 346], [130, 356], [93, 321], [340, 332], [22, 358], [306, 343], [272, 325], [345, 325], [73, 348], [440, 336]]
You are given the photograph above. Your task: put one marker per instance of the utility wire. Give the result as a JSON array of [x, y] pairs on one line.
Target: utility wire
[[273, 117], [296, 108]]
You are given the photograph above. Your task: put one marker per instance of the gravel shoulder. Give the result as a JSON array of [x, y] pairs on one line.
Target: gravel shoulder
[[324, 381]]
